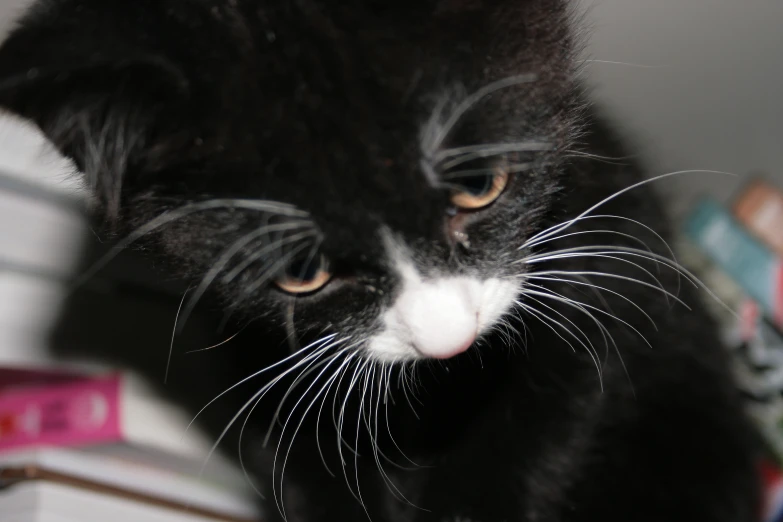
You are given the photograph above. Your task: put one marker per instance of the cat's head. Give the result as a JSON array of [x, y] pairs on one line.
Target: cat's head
[[365, 170]]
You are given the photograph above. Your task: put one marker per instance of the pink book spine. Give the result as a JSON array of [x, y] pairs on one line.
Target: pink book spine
[[77, 413]]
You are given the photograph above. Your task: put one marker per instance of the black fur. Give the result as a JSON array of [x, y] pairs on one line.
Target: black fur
[[321, 105]]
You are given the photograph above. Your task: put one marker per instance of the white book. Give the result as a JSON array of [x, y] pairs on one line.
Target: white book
[[120, 483]]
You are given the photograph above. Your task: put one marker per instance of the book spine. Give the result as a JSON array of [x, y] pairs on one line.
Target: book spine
[[78, 413], [760, 209], [751, 264]]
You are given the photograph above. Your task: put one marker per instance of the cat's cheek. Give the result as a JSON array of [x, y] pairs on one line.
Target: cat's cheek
[[498, 298]]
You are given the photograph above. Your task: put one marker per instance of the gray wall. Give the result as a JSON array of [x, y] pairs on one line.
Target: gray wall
[[712, 96]]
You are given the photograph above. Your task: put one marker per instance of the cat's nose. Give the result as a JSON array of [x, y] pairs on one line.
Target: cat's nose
[[441, 317]]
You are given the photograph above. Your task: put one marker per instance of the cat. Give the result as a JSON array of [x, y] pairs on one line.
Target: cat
[[450, 287]]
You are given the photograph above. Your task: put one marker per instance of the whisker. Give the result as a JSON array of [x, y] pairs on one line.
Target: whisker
[[315, 355], [603, 159], [627, 64], [543, 318], [586, 282], [605, 334], [440, 132], [562, 226], [318, 342], [599, 255], [473, 152], [405, 385], [218, 345], [468, 173], [172, 215], [310, 368], [365, 378], [681, 271], [281, 506], [669, 249], [591, 350], [587, 232], [257, 255], [388, 427], [569, 301], [229, 253], [338, 429], [173, 336], [358, 373], [578, 305], [615, 276], [341, 370], [391, 486], [268, 274]]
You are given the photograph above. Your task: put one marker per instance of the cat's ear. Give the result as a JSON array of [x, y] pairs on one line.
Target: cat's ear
[[97, 97]]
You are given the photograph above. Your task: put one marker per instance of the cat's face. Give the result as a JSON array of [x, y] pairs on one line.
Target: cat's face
[[367, 171]]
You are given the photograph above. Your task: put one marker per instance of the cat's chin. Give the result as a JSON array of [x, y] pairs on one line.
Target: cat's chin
[[440, 318]]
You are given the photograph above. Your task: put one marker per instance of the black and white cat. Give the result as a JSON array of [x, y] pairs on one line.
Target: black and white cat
[[448, 305]]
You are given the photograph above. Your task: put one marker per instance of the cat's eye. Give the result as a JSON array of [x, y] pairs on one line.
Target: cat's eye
[[475, 192], [304, 276]]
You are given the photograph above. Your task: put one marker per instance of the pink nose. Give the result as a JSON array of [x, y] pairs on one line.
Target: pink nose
[[448, 354]]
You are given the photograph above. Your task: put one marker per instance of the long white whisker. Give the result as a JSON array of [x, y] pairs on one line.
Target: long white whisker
[[613, 276], [357, 374], [587, 232], [538, 315], [229, 253], [254, 399], [586, 282], [567, 300], [173, 336], [337, 427], [388, 427], [391, 486], [562, 226], [604, 250], [341, 371], [442, 131], [281, 505], [257, 255], [318, 342], [365, 379], [591, 349], [483, 150], [405, 385], [217, 345], [275, 267], [681, 270], [579, 306], [467, 173], [669, 249], [599, 255], [186, 210], [488, 151], [582, 308], [311, 367]]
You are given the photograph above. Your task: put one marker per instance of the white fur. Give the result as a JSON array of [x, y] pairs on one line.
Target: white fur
[[438, 317]]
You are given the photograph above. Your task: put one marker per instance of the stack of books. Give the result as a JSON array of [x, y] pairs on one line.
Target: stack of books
[[741, 248], [83, 448]]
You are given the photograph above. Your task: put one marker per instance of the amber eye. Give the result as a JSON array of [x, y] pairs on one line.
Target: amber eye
[[475, 192], [304, 276]]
